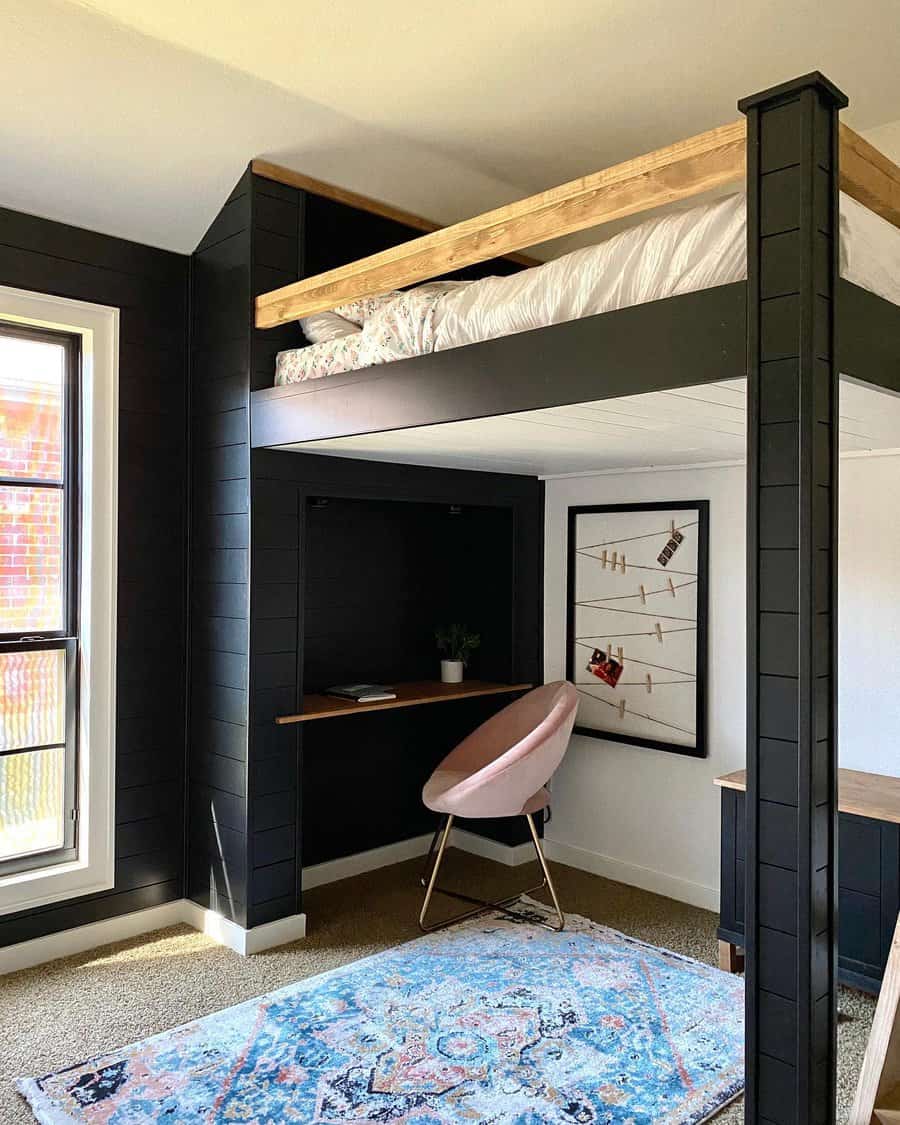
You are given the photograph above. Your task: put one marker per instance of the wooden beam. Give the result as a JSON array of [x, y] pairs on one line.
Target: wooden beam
[[869, 176], [668, 175], [288, 176]]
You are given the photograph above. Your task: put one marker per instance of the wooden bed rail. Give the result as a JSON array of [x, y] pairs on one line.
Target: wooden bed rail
[[667, 175], [869, 176]]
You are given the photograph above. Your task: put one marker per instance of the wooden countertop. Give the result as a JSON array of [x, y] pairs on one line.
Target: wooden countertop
[[864, 794], [408, 695]]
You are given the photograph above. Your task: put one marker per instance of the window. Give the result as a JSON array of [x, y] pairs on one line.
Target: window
[[58, 553], [39, 504]]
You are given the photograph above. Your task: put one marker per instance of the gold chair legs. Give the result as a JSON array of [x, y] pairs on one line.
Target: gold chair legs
[[479, 906]]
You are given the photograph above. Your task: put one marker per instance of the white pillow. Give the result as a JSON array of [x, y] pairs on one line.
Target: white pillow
[[326, 326]]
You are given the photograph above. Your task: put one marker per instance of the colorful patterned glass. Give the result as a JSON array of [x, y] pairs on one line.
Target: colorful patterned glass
[[32, 699], [32, 802], [32, 784]]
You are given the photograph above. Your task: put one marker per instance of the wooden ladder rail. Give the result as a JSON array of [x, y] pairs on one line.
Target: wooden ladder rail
[[877, 1100]]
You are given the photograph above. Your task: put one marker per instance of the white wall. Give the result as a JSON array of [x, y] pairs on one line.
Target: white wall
[[651, 818], [869, 620]]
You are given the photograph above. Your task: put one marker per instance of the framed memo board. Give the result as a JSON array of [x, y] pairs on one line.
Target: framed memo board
[[636, 623]]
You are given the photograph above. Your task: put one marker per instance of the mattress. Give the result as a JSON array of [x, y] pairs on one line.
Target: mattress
[[675, 253]]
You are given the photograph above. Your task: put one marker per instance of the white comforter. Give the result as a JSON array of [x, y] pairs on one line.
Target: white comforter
[[676, 253]]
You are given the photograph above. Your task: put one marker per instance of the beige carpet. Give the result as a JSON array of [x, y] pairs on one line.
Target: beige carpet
[[62, 1013]]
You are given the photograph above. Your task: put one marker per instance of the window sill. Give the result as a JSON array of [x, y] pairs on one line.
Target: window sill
[[45, 885]]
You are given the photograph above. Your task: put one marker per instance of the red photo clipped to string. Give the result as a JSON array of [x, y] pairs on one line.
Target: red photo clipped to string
[[605, 667]]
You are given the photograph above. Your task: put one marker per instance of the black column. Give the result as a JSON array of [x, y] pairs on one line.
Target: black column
[[791, 932]]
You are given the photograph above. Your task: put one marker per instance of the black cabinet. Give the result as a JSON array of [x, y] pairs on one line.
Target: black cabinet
[[869, 891]]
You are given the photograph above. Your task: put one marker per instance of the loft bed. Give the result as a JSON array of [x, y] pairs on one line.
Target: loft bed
[[696, 336], [788, 328]]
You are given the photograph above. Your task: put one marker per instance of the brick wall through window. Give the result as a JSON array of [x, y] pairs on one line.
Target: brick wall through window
[[30, 517]]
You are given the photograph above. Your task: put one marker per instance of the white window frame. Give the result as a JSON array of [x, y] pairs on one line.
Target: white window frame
[[94, 868]]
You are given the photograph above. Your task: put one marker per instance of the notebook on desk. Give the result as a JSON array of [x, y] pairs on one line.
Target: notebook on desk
[[362, 693]]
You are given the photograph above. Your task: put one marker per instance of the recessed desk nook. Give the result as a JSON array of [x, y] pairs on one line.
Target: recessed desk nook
[[868, 874], [382, 556]]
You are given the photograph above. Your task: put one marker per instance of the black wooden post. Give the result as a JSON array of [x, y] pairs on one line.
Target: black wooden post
[[792, 243]]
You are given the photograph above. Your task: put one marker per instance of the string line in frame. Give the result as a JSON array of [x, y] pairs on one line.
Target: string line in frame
[[639, 683], [646, 663], [646, 594], [635, 714], [640, 566], [633, 538], [635, 612], [621, 636]]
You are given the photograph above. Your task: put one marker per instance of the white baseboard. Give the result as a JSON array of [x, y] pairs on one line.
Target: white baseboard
[[682, 890], [245, 942], [361, 862], [511, 855], [26, 954]]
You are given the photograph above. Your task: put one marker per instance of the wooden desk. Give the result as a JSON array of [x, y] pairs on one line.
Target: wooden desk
[[863, 794], [412, 694], [868, 873]]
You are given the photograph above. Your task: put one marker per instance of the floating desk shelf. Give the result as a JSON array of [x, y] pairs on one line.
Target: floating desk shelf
[[408, 695]]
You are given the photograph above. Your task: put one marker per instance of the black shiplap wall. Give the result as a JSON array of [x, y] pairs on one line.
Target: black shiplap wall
[[150, 287], [220, 550], [336, 234], [252, 246]]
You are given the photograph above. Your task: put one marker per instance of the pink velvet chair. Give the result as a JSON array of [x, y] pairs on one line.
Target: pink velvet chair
[[501, 769]]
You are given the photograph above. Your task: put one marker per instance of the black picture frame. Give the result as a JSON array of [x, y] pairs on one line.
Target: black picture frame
[[700, 747]]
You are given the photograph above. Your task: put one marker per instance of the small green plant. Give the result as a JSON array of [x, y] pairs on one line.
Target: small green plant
[[455, 642]]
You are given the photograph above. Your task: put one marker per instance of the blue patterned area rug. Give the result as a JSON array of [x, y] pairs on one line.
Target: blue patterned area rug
[[493, 1021]]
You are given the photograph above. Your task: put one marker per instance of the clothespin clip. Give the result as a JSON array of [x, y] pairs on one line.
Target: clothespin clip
[[658, 631], [621, 708], [649, 684], [643, 595], [622, 560], [620, 656], [615, 555], [603, 559], [609, 650], [671, 585], [671, 529]]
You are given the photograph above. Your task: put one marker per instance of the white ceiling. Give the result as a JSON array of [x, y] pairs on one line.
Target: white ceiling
[[136, 118], [690, 426]]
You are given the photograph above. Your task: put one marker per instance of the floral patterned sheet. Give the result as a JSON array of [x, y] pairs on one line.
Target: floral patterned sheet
[[394, 326]]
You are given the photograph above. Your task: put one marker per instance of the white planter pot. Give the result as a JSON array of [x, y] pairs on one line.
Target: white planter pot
[[452, 671]]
